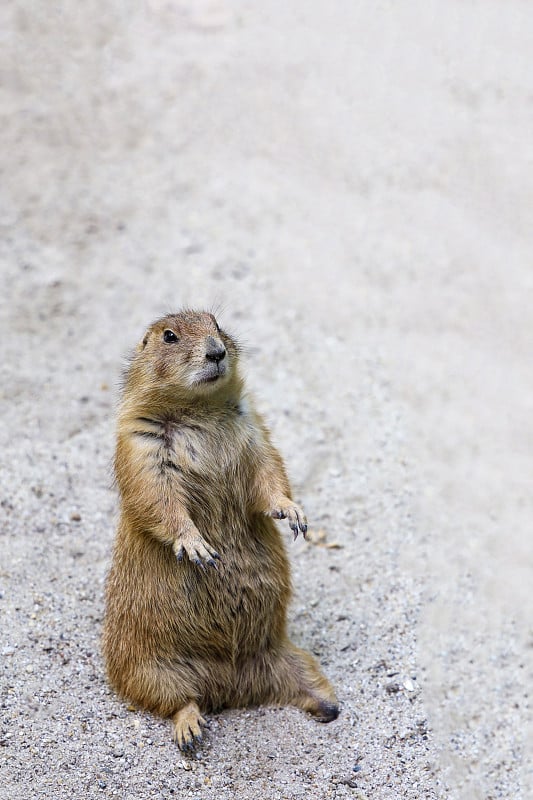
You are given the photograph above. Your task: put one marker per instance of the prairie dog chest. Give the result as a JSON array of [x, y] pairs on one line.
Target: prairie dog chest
[[212, 447]]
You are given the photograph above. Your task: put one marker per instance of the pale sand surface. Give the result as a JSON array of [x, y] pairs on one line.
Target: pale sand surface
[[352, 184]]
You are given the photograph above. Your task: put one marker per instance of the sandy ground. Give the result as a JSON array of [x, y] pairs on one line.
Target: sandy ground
[[351, 184]]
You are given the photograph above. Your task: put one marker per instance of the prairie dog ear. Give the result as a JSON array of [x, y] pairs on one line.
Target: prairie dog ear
[[142, 344]]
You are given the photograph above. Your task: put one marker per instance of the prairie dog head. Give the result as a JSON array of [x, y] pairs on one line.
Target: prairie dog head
[[185, 354]]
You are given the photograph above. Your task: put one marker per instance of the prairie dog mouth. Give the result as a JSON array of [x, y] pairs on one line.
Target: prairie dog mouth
[[210, 374]]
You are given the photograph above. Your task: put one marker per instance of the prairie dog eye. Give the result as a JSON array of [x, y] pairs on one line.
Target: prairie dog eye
[[169, 336]]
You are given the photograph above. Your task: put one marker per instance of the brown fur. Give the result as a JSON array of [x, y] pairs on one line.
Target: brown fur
[[199, 586]]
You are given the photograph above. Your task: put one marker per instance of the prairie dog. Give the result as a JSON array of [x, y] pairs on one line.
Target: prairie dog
[[197, 594]]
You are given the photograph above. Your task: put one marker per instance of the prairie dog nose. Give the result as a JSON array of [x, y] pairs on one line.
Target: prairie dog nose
[[214, 349]]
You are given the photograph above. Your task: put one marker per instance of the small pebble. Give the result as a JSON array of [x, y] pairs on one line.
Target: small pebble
[[409, 685]]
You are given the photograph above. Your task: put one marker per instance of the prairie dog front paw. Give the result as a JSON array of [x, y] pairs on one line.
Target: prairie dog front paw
[[287, 509], [198, 550]]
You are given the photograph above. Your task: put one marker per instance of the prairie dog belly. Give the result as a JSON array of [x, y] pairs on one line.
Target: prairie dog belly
[[241, 604], [252, 582]]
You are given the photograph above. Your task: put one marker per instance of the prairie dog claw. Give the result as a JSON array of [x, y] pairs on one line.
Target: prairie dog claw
[[187, 727], [296, 517], [197, 549]]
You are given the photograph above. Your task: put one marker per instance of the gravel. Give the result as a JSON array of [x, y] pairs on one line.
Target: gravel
[[347, 189]]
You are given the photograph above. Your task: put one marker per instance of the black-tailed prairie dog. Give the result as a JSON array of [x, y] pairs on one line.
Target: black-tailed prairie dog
[[197, 594]]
